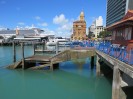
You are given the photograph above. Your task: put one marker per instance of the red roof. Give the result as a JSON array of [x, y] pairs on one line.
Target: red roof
[[128, 17]]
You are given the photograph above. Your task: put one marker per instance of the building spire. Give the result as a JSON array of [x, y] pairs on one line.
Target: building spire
[[82, 16]]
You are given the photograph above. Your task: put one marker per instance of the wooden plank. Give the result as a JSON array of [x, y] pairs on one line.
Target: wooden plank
[[40, 66], [17, 64], [38, 58]]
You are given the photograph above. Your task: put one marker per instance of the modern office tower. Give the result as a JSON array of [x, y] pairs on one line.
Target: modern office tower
[[116, 9]]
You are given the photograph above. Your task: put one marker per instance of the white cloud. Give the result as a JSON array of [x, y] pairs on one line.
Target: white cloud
[[60, 19], [44, 24], [46, 30], [38, 18], [64, 28], [21, 23], [3, 2]]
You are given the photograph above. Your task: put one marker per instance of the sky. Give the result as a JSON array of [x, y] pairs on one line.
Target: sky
[[54, 16]]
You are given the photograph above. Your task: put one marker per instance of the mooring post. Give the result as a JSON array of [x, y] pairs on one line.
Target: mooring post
[[34, 48], [97, 66], [116, 83], [23, 62], [57, 45], [43, 46], [92, 62], [14, 52], [51, 66]]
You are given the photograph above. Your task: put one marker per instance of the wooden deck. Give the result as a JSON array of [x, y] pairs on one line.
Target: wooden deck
[[38, 58], [46, 51], [41, 61]]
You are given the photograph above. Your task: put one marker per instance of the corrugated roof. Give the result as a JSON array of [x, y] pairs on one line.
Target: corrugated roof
[[21, 32]]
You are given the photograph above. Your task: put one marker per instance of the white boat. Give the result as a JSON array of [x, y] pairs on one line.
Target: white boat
[[52, 41]]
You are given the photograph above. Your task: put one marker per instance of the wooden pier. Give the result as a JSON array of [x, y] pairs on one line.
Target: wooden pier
[[120, 69], [52, 62], [41, 61]]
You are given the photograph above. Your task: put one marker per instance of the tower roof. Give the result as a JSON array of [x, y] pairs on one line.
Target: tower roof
[[82, 16], [82, 13]]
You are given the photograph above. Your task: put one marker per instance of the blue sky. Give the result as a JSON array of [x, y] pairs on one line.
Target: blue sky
[[54, 16]]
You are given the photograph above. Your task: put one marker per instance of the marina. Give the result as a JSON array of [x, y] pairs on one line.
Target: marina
[[66, 50], [71, 78]]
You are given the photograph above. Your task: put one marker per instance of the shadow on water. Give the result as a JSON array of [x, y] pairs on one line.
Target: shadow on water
[[128, 91], [106, 71]]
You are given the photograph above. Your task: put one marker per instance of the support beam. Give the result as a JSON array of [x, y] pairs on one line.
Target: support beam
[[14, 52], [97, 66], [23, 62], [116, 83]]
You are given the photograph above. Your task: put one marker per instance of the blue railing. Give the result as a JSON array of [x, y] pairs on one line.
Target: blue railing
[[119, 52], [82, 44], [114, 50]]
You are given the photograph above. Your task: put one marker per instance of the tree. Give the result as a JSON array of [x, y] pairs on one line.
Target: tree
[[90, 35], [104, 34]]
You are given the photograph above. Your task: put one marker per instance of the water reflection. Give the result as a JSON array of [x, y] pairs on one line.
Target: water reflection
[[36, 84], [81, 62]]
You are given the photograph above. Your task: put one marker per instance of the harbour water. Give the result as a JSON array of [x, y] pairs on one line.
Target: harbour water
[[73, 80]]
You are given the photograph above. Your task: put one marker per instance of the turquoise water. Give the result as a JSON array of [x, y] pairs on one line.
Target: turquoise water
[[6, 54], [73, 80]]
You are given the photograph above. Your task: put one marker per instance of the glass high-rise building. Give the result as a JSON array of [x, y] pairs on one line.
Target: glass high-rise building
[[116, 9]]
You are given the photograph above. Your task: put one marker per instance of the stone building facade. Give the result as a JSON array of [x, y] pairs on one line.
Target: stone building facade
[[79, 28]]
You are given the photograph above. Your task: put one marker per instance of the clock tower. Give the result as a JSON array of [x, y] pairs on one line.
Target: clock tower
[[79, 28]]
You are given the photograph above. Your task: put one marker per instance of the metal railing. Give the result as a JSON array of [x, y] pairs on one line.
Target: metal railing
[[119, 52]]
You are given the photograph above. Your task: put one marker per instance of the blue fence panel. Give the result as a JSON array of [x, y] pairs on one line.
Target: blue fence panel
[[117, 52]]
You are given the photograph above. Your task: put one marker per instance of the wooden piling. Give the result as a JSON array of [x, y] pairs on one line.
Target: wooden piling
[[14, 52], [51, 66], [23, 62], [97, 66], [57, 45], [116, 83], [34, 48], [43, 44]]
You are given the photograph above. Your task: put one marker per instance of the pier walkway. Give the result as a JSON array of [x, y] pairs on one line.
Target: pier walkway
[[120, 60]]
